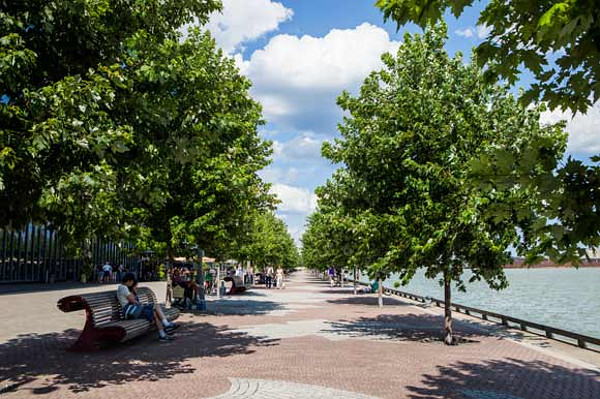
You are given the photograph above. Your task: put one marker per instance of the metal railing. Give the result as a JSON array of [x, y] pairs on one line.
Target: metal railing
[[583, 341]]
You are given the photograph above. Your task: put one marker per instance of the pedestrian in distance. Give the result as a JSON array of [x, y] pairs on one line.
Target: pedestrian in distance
[[279, 277], [331, 274], [269, 277], [107, 272]]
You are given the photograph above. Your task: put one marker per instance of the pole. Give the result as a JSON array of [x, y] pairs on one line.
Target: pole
[[219, 281], [354, 279], [380, 291]]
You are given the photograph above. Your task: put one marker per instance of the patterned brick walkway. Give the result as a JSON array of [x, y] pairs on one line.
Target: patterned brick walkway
[[307, 341]]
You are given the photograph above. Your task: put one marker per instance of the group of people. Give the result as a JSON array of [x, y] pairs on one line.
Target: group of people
[[133, 308], [277, 275], [109, 273]]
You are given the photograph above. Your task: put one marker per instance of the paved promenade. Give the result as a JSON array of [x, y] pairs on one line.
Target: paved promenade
[[307, 341]]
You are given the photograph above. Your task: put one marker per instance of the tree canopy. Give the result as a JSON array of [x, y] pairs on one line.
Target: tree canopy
[[115, 125], [269, 243], [557, 41]]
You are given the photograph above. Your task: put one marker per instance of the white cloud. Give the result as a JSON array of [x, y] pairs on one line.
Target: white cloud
[[480, 31], [245, 20], [274, 174], [294, 199], [467, 32], [483, 31], [297, 79], [341, 58], [302, 147], [584, 130]]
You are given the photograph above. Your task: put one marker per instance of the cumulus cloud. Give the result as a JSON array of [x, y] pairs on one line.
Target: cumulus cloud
[[480, 31], [295, 200], [274, 174], [302, 147], [467, 32], [297, 79], [584, 130], [245, 20]]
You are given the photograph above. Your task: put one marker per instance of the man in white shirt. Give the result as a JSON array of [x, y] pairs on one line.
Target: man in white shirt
[[133, 309], [107, 271]]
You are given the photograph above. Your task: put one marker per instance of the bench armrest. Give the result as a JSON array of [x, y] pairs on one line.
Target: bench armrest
[[72, 303]]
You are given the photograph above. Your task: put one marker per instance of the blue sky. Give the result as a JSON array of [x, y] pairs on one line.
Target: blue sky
[[301, 54]]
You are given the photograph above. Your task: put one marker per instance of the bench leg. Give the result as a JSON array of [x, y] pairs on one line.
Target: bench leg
[[90, 338], [87, 341]]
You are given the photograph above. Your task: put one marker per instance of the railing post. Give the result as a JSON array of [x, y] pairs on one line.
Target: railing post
[[581, 343], [504, 321], [549, 334]]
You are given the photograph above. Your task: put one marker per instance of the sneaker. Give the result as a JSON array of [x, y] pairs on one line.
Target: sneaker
[[171, 327], [166, 338]]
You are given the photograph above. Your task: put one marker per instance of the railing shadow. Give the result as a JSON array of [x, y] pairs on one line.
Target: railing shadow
[[34, 357], [507, 379], [407, 327]]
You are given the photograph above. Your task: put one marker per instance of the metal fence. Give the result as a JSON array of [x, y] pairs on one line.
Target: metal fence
[[36, 254], [583, 341]]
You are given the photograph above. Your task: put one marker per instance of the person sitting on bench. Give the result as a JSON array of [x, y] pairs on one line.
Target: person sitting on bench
[[133, 309], [181, 277]]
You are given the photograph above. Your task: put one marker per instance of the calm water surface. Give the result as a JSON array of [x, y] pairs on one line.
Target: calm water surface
[[563, 298]]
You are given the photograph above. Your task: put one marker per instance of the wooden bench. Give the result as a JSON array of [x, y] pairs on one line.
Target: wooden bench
[[104, 318]]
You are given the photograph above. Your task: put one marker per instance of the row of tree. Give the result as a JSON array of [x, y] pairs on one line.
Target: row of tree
[[115, 125], [442, 169]]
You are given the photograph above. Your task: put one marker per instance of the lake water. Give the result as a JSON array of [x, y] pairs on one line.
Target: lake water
[[558, 297]]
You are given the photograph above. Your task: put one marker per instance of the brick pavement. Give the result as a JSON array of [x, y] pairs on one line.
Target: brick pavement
[[305, 341]]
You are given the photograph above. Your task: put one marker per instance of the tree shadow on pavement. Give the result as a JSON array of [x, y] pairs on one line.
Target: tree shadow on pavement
[[407, 327], [40, 364], [242, 307], [367, 301], [507, 379]]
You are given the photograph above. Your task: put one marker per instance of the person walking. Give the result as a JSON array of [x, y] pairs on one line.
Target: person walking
[[269, 277], [331, 273], [250, 272], [279, 278], [120, 270]]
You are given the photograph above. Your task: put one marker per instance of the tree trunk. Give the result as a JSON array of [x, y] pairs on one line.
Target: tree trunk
[[87, 266], [380, 292], [354, 280], [448, 337]]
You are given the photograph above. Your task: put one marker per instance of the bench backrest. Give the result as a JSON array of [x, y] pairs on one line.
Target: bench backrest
[[103, 307]]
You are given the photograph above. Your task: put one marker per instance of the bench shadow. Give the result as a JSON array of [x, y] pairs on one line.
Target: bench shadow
[[507, 379], [39, 363], [407, 327]]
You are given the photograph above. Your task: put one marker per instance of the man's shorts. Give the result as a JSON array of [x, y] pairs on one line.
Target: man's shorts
[[139, 312]]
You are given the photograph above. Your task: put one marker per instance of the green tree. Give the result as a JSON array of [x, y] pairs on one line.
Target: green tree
[[270, 243], [557, 41], [113, 125], [414, 136]]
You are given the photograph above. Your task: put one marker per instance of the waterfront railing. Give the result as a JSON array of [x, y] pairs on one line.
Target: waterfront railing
[[558, 334]]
